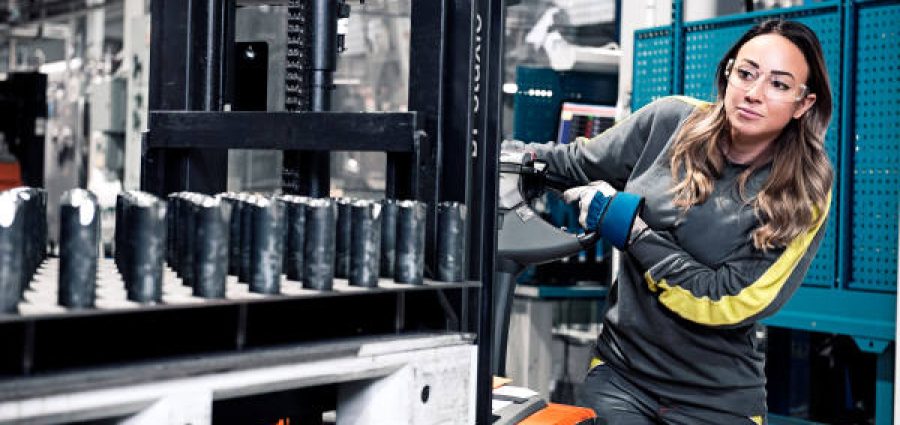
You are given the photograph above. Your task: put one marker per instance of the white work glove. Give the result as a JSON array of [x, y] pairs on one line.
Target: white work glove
[[605, 210], [513, 145], [585, 195]]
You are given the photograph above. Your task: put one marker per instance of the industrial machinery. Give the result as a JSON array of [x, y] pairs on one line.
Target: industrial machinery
[[524, 238], [196, 115], [23, 118]]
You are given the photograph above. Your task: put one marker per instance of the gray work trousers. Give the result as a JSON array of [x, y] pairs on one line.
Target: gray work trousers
[[619, 402]]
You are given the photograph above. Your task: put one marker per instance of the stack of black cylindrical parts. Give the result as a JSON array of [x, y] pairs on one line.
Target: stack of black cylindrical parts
[[140, 241], [198, 246], [365, 243], [294, 236], [319, 246], [409, 261], [403, 241], [266, 246], [203, 239], [23, 236], [255, 238], [310, 241], [35, 236], [362, 240], [343, 237], [79, 246], [451, 242], [393, 231]]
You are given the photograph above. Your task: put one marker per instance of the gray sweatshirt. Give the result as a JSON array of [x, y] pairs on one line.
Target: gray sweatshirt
[[680, 319]]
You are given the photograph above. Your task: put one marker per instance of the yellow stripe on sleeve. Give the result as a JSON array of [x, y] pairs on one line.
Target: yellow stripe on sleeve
[[650, 282], [733, 309]]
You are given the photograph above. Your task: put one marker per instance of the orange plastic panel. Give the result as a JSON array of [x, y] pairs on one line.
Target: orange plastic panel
[[10, 175], [561, 414]]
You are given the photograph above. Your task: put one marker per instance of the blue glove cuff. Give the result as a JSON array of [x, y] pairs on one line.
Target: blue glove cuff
[[595, 210], [616, 224]]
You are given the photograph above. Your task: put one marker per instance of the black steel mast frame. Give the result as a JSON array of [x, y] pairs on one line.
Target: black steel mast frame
[[446, 150], [190, 63]]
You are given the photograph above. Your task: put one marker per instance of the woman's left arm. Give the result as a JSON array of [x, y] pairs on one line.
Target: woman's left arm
[[747, 287]]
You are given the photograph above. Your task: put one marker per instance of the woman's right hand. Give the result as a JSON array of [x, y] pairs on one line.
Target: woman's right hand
[[606, 211]]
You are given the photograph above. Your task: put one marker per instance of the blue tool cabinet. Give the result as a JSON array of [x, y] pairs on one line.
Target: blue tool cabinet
[[851, 287], [541, 91]]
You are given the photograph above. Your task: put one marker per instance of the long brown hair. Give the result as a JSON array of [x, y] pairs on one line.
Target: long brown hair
[[798, 187]]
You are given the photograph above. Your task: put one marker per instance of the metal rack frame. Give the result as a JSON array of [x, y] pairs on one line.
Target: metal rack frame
[[455, 79], [370, 377], [445, 149]]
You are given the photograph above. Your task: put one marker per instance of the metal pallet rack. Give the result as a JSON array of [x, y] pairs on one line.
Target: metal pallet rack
[[449, 135], [851, 288]]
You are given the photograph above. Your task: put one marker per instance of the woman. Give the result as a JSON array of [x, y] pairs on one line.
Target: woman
[[736, 194]]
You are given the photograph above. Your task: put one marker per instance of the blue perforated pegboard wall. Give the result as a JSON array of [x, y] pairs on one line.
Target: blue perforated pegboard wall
[[827, 25], [652, 76], [704, 46], [876, 182], [540, 92]]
